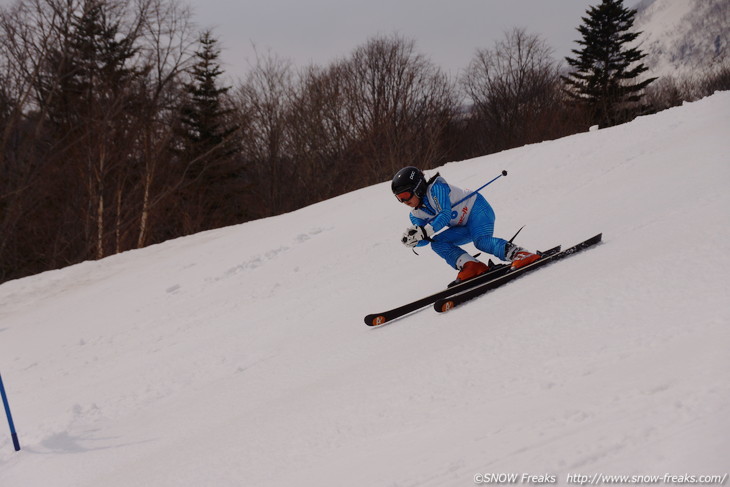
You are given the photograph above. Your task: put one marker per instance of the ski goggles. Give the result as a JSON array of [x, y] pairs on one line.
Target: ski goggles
[[404, 196]]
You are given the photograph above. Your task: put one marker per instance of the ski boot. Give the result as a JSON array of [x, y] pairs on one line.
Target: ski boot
[[519, 256], [469, 270]]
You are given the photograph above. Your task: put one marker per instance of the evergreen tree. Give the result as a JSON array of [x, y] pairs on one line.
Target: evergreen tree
[[208, 146], [87, 91], [87, 76], [206, 129], [605, 69]]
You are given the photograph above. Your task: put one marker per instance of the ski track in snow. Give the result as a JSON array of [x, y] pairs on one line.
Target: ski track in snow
[[238, 356]]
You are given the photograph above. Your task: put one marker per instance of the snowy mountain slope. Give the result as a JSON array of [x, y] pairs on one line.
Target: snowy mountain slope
[[683, 37], [238, 357]]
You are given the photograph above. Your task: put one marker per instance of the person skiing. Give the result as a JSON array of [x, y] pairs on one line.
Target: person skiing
[[436, 205]]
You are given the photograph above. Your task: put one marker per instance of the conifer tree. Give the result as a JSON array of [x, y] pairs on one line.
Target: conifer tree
[[208, 146], [606, 70], [88, 75], [87, 93], [206, 129]]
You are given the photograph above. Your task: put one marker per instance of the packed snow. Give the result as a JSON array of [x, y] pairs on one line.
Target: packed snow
[[239, 357]]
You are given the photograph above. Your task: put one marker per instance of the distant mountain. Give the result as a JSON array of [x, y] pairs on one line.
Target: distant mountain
[[683, 37]]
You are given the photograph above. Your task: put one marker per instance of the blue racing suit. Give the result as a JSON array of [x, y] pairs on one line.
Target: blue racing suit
[[471, 220]]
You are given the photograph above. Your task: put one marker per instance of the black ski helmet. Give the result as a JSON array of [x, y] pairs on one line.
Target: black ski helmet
[[409, 179]]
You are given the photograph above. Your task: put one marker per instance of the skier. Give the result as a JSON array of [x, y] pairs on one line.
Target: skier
[[472, 220]]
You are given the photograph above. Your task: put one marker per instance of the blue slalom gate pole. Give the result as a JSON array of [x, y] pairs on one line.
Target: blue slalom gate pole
[[13, 434]]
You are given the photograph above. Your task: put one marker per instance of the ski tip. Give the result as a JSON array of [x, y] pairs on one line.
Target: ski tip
[[595, 239], [375, 320], [446, 305]]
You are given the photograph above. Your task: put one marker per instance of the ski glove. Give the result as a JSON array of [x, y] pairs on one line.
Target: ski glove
[[415, 234]]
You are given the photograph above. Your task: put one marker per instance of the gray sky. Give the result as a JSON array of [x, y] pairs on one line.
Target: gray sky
[[320, 31]]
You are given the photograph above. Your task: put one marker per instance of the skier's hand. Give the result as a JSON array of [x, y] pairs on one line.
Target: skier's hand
[[415, 234]]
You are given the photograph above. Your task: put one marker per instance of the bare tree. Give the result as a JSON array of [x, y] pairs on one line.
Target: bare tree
[[514, 89], [28, 31], [92, 86], [263, 101], [89, 85], [169, 37], [319, 135], [398, 107], [324, 131]]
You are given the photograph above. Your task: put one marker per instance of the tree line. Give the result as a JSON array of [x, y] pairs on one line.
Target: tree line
[[117, 130]]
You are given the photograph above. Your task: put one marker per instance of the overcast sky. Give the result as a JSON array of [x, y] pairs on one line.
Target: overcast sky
[[320, 31]]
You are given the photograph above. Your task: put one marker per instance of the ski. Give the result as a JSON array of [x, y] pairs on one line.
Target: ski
[[496, 271], [449, 302]]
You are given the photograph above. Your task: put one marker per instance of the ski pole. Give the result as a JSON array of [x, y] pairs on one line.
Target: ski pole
[[503, 173], [13, 434]]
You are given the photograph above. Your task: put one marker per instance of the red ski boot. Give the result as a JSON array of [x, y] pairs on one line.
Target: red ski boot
[[470, 270], [519, 256]]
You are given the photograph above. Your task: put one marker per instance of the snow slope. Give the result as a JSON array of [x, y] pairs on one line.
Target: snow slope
[[238, 357], [682, 38]]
